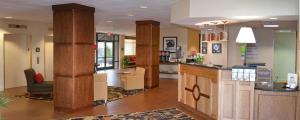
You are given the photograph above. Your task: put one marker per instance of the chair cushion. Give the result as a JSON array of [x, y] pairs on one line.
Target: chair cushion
[[46, 86], [38, 78]]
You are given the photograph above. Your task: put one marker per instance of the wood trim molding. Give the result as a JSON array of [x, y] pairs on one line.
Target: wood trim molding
[[147, 22]]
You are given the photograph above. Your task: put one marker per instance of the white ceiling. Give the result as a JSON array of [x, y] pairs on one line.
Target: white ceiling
[[106, 10], [191, 12]]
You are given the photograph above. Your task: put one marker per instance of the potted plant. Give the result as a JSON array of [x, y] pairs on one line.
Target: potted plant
[[199, 58], [125, 62]]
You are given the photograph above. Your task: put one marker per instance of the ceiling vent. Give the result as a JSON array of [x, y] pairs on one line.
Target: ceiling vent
[[17, 26]]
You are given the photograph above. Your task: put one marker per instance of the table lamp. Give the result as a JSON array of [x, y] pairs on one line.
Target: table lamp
[[245, 36]]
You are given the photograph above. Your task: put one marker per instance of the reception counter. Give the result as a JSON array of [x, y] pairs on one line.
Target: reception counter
[[211, 91], [199, 88]]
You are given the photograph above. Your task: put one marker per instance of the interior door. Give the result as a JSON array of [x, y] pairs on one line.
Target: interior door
[[49, 58], [17, 57]]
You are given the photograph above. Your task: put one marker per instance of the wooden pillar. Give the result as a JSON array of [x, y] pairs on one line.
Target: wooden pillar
[[73, 26], [147, 50]]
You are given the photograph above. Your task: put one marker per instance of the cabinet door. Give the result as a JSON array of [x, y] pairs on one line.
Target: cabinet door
[[228, 102], [245, 100]]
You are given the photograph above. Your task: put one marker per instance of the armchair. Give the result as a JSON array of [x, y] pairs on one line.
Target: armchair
[[32, 88], [100, 86], [133, 80]]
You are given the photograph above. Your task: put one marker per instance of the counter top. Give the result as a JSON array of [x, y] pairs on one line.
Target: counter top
[[277, 87], [208, 66]]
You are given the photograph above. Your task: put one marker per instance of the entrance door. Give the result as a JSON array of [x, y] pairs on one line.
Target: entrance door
[[17, 57], [105, 55]]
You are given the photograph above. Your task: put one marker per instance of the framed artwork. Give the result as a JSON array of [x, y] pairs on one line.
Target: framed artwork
[[204, 48], [216, 48], [170, 44]]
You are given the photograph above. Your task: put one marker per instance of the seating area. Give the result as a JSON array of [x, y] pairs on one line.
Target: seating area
[[45, 87]]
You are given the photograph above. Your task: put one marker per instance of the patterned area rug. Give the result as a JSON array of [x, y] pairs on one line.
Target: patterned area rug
[[46, 97], [161, 114], [116, 93]]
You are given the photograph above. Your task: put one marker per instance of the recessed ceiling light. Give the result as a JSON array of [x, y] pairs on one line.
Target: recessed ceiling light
[[273, 18], [210, 29], [246, 17], [130, 15], [271, 26], [109, 21], [8, 17], [143, 7]]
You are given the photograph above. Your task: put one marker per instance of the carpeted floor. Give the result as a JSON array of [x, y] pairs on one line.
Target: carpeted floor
[[46, 97], [160, 114], [116, 93]]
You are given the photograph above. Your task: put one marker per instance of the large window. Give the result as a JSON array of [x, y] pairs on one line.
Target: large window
[[130, 47], [106, 51]]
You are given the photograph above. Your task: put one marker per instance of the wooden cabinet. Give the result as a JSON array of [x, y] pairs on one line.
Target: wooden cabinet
[[237, 98], [271, 105]]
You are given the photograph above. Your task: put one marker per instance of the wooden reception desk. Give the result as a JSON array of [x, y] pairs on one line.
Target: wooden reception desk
[[199, 88], [210, 91]]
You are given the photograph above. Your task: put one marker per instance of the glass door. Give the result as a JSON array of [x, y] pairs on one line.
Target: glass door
[[105, 53]]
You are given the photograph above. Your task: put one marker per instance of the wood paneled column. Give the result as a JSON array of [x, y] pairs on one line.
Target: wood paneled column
[[73, 26], [147, 50]]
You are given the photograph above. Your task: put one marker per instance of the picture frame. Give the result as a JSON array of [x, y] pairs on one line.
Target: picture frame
[[204, 48], [216, 47], [170, 44]]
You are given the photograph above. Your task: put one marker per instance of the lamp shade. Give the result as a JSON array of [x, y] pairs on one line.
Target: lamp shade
[[245, 35]]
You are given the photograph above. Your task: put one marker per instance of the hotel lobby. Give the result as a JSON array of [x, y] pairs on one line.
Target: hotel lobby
[[149, 59]]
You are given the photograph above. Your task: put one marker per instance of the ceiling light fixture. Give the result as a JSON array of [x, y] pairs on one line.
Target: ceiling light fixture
[[246, 17], [143, 7], [271, 26], [8, 17], [109, 21], [273, 18]]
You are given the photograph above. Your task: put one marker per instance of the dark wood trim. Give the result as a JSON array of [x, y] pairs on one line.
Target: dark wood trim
[[147, 22], [130, 37]]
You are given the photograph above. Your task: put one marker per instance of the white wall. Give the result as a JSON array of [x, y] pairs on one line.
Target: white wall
[[230, 8], [37, 30], [265, 43]]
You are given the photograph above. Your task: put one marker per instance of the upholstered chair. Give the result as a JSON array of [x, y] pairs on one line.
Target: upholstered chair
[[133, 80], [100, 86]]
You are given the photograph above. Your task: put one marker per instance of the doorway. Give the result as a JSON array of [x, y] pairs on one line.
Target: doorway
[[107, 51], [105, 55], [17, 58]]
